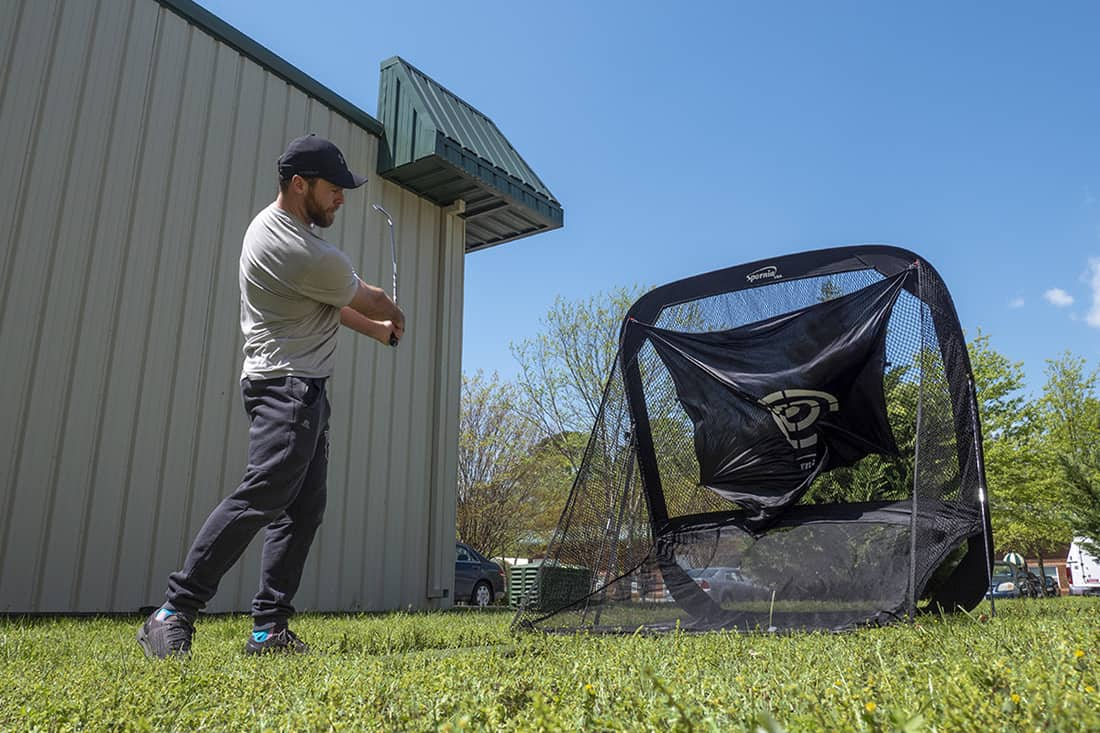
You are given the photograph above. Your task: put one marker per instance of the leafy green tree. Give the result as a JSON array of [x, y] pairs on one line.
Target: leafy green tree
[[879, 477], [1069, 408], [550, 478], [1043, 467], [1069, 412], [1083, 482], [512, 484], [1027, 510], [495, 443], [563, 370], [1002, 404], [1008, 427]]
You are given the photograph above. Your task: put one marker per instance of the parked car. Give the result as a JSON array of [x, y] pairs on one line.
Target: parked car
[[478, 580], [724, 584], [1051, 583], [1010, 581]]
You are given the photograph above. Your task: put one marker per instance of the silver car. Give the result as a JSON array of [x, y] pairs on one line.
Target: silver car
[[724, 584]]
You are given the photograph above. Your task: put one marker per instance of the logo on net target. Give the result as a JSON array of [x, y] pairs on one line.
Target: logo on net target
[[796, 412], [771, 272]]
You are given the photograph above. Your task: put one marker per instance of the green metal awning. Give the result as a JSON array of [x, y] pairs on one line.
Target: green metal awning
[[440, 147]]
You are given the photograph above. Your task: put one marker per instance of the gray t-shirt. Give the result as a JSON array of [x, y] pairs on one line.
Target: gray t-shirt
[[293, 285]]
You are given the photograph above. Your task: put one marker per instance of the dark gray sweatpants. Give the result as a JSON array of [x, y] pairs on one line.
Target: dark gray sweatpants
[[283, 489]]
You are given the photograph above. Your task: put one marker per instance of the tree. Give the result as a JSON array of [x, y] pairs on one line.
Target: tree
[[1083, 481], [1049, 464], [1069, 411], [1027, 513], [876, 477], [1069, 408], [829, 291], [1007, 431], [549, 477], [1002, 404], [563, 370], [495, 443]]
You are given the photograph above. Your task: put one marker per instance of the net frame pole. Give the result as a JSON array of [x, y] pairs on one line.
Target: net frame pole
[[916, 451], [631, 342], [982, 503]]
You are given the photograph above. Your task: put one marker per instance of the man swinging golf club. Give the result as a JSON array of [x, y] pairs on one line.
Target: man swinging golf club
[[296, 291]]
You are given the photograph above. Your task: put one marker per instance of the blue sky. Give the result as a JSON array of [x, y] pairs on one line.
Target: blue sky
[[689, 137]]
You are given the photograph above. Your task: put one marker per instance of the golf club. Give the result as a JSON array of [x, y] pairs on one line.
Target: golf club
[[393, 256]]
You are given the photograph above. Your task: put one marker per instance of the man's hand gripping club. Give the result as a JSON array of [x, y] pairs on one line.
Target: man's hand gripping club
[[372, 313]]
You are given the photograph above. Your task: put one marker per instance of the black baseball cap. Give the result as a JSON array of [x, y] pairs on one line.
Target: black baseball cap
[[315, 157]]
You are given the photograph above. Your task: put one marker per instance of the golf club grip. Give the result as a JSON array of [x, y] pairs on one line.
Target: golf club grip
[[393, 340]]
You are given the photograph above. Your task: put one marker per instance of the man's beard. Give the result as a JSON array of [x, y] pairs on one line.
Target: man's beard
[[317, 215]]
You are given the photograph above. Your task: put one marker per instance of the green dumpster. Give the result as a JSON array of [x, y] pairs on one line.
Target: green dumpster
[[559, 586]]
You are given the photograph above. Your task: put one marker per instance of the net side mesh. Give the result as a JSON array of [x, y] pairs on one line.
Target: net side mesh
[[866, 544]]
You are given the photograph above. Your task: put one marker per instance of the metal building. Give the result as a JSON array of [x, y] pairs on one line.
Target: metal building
[[139, 138]]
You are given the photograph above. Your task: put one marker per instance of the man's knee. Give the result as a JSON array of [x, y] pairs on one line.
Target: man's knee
[[265, 494], [308, 511]]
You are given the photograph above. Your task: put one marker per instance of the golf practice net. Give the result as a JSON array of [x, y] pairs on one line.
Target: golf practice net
[[788, 444]]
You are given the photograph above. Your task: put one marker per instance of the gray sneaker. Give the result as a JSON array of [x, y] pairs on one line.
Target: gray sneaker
[[166, 633], [282, 641]]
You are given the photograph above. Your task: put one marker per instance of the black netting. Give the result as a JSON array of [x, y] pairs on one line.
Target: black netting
[[780, 447]]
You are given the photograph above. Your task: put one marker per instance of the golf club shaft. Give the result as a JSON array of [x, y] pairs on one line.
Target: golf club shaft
[[393, 258]]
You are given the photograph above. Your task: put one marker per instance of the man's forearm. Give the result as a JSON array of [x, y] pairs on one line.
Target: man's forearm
[[373, 303], [356, 321]]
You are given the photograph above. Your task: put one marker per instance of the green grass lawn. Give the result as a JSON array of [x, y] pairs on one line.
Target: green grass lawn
[[1033, 667]]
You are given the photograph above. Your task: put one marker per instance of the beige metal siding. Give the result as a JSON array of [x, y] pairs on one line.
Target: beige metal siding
[[139, 147]]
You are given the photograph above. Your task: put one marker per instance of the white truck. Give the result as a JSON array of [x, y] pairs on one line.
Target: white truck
[[1083, 568]]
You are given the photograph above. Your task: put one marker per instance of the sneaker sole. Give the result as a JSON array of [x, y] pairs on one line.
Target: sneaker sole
[[273, 651]]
